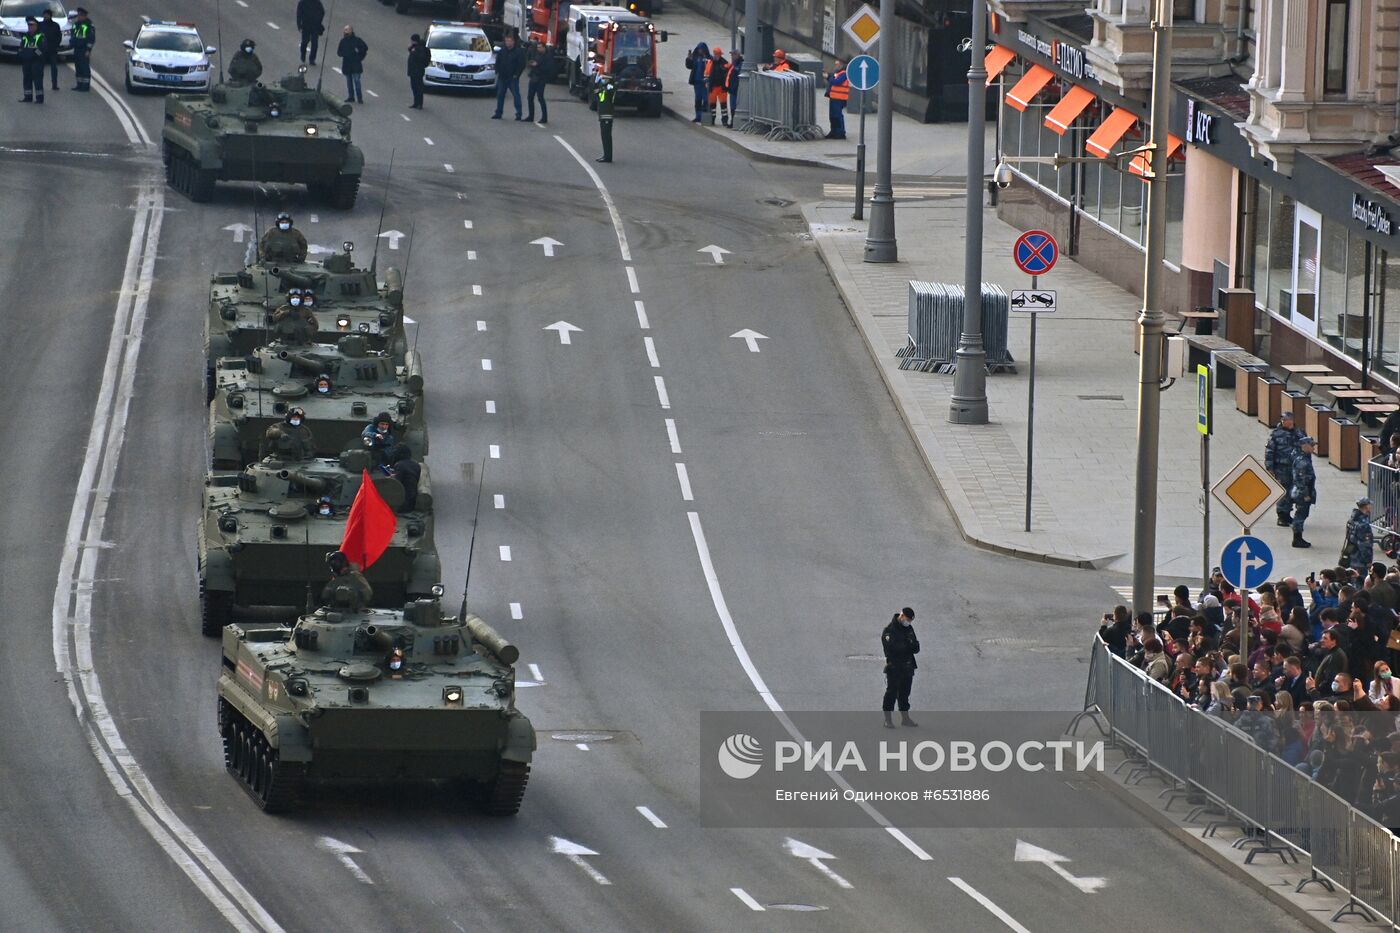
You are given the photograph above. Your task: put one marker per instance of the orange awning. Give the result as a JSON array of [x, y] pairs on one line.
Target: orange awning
[[996, 61], [1104, 138], [1032, 84], [1140, 164], [1069, 108]]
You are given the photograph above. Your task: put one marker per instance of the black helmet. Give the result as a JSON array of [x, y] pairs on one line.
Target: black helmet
[[284, 216], [295, 413], [248, 45], [337, 561]]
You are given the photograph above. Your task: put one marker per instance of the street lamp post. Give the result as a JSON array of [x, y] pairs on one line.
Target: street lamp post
[[969, 401], [1153, 319], [880, 244], [751, 40]]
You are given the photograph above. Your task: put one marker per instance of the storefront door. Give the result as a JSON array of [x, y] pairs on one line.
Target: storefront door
[[1307, 242]]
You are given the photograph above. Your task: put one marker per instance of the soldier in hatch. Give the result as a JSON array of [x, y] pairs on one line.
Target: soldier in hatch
[[244, 67], [282, 242]]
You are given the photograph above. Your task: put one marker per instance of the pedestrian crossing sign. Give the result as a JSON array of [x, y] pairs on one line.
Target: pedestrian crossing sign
[[1248, 491]]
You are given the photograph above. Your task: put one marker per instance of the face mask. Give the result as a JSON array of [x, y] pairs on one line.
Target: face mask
[[247, 50], [905, 622], [1336, 686], [324, 510], [1384, 675], [323, 388], [294, 302], [395, 664], [295, 422], [284, 225]]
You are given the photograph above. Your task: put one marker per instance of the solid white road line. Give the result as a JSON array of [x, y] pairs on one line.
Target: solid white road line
[[495, 451], [673, 436], [661, 392], [486, 365], [429, 140], [500, 501], [535, 671], [490, 406], [471, 257], [505, 552], [642, 321], [651, 352], [242, 3], [515, 612], [476, 290], [684, 477], [480, 325], [632, 281], [130, 123], [747, 899], [651, 818], [910, 844], [272, 25], [370, 93], [993, 909], [607, 200], [72, 616]]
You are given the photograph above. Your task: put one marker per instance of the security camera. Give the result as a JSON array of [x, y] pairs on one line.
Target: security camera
[[1002, 175]]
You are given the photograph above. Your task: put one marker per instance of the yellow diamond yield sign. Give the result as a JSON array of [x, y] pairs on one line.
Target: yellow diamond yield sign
[[1248, 491], [864, 26]]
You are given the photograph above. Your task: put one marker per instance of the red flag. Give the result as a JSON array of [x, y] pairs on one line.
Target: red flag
[[370, 527]]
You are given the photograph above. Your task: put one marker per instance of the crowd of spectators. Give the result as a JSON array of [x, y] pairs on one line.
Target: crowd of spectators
[[1310, 660]]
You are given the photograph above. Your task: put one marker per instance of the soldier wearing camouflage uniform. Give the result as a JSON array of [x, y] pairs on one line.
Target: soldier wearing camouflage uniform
[[244, 67], [1303, 491], [282, 242], [290, 440], [1278, 460], [1359, 547], [293, 322]]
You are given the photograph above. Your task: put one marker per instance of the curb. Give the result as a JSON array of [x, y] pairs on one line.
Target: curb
[[1197, 846], [739, 147], [913, 420]]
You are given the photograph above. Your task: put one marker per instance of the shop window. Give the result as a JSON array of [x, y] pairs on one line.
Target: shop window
[[1334, 49], [1277, 291], [1340, 324], [1176, 205], [1259, 243], [1385, 313]]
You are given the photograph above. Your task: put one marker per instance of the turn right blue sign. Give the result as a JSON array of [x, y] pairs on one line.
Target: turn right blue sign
[[863, 72]]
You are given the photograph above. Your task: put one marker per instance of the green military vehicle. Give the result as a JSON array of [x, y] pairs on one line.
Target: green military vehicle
[[339, 387], [349, 300], [262, 543], [248, 131], [353, 696]]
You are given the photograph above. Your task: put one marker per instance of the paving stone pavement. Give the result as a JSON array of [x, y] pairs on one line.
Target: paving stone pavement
[[1086, 410]]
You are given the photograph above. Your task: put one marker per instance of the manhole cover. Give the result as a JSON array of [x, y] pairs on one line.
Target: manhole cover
[[776, 202]]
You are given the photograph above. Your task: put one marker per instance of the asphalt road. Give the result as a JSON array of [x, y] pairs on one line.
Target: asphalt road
[[645, 592]]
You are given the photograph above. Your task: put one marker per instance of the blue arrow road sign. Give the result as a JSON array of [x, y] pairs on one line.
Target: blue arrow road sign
[[1246, 562], [863, 72]]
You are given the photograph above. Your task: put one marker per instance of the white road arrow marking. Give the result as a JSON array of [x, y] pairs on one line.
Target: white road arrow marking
[[393, 236], [576, 854], [815, 856], [717, 253], [565, 329], [548, 242], [343, 851], [239, 231], [1025, 852], [750, 337]]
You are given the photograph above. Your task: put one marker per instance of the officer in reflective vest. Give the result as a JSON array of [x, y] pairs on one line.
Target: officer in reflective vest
[[838, 91], [31, 63], [607, 95], [84, 38]]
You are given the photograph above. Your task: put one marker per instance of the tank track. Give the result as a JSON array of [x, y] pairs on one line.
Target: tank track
[[182, 174], [216, 609], [274, 785], [504, 794]]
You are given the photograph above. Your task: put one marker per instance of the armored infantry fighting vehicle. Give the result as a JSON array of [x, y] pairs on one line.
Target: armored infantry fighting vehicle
[[262, 543], [355, 695], [340, 388], [348, 301], [249, 131]]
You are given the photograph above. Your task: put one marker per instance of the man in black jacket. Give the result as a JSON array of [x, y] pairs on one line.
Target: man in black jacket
[[510, 65], [418, 59], [352, 51], [53, 35], [542, 71], [311, 17], [900, 644]]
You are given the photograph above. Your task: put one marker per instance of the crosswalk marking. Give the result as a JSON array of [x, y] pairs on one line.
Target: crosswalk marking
[[902, 192]]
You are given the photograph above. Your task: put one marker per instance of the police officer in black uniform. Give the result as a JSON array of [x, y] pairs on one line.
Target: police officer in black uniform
[[31, 63], [607, 96], [53, 37], [84, 38], [900, 644]]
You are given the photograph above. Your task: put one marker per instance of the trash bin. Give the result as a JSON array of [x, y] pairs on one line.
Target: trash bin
[[1270, 400], [1344, 441]]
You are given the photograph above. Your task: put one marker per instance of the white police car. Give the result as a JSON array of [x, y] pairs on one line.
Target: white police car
[[461, 56], [167, 55], [13, 14]]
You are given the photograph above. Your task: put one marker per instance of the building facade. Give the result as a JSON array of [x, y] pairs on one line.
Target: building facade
[[1281, 180]]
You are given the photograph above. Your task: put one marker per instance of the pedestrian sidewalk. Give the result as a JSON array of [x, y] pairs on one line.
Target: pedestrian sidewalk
[[932, 149]]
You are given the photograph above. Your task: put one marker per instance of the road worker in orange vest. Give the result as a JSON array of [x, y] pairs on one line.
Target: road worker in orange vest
[[838, 91]]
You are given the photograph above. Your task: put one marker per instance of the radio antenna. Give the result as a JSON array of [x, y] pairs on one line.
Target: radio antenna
[[325, 52], [471, 548], [219, 35], [383, 206], [408, 258]]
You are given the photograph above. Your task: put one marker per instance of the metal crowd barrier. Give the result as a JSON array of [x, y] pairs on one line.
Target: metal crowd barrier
[[1383, 488], [1233, 781], [778, 104], [935, 327]]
